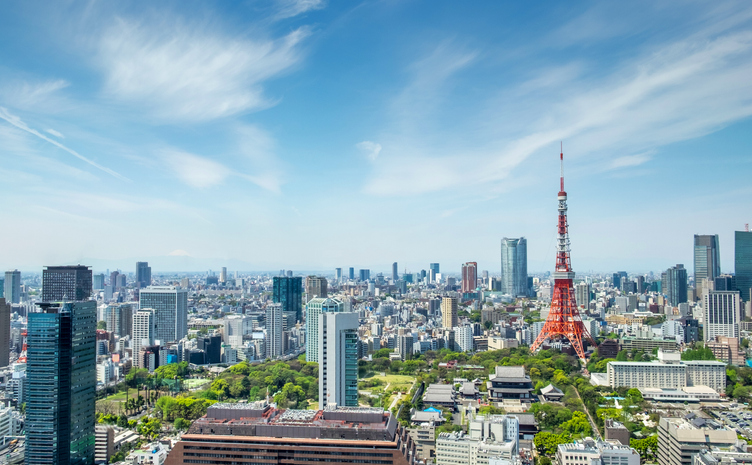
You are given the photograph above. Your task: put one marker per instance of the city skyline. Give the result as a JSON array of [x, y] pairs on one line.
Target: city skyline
[[654, 116]]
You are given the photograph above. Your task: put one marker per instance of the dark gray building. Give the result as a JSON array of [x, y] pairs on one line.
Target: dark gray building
[[674, 284], [143, 274], [707, 259], [66, 283], [742, 263]]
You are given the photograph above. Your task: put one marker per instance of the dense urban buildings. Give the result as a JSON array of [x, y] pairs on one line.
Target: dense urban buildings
[[514, 266], [315, 286], [66, 283], [61, 377], [170, 305], [254, 432], [679, 440], [722, 314], [4, 333]]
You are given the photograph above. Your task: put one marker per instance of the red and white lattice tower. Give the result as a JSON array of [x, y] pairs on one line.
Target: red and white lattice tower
[[564, 320]]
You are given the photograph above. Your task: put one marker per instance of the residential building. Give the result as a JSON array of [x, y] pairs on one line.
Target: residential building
[[449, 312], [12, 287], [314, 309], [104, 447], [726, 349], [405, 346], [315, 286], [338, 359], [235, 328], [707, 260], [722, 312], [66, 283], [143, 275], [514, 266], [589, 451], [668, 372], [60, 393], [510, 383], [119, 319], [395, 272], [4, 333], [469, 277], [463, 338], [288, 291], [253, 432], [679, 439], [742, 263], [582, 294], [274, 331], [142, 329], [170, 305]]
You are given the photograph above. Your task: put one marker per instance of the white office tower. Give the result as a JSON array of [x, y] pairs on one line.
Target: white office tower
[[338, 360], [170, 306], [721, 314], [487, 437], [314, 309], [273, 331], [143, 329], [236, 326], [463, 338]]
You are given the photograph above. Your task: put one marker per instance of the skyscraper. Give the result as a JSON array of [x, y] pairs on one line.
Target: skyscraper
[[142, 329], [170, 305], [66, 283], [143, 274], [315, 286], [288, 291], [707, 260], [435, 267], [338, 275], [449, 312], [514, 266], [223, 275], [4, 333], [114, 280], [119, 319], [338, 359], [351, 273], [12, 287], [273, 331], [722, 313], [364, 274], [742, 263], [97, 282], [675, 285], [314, 309], [395, 272], [469, 277], [62, 378]]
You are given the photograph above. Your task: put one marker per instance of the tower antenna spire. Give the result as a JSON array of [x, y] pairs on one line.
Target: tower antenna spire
[[561, 165]]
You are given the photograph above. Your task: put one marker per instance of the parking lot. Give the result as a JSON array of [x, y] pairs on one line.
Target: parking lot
[[737, 417]]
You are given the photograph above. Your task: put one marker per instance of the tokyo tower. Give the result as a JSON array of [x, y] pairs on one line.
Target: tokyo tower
[[563, 320]]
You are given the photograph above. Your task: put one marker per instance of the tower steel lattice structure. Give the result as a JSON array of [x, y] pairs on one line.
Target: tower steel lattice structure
[[564, 320]]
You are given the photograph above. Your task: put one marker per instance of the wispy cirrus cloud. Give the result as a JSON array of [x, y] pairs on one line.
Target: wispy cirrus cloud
[[194, 170], [680, 89], [371, 149], [191, 72], [290, 8]]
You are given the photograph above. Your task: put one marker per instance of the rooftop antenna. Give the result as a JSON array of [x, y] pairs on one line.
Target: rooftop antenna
[[561, 165]]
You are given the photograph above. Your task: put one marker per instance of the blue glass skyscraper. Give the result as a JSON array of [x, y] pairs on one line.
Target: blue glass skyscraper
[[61, 375], [514, 266], [743, 263], [288, 291]]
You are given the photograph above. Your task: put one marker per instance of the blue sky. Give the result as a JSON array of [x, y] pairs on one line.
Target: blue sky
[[305, 134]]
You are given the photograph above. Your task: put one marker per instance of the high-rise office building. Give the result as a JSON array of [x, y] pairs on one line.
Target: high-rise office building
[[114, 282], [338, 359], [722, 314], [288, 291], [170, 305], [469, 277], [514, 266], [742, 263], [97, 282], [364, 274], [12, 287], [142, 329], [62, 378], [338, 275], [143, 274], [119, 319], [223, 275], [351, 273], [273, 331], [707, 260], [675, 284], [582, 294], [4, 333], [616, 280], [66, 283], [449, 312], [405, 346], [725, 282], [314, 309], [315, 286], [395, 272]]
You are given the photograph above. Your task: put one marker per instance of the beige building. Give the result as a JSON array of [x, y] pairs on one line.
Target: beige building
[[669, 372], [679, 440], [449, 312], [727, 350]]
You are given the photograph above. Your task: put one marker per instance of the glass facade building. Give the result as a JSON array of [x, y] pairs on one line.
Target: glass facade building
[[66, 283], [62, 378], [743, 263], [338, 359], [170, 305], [314, 309], [674, 284], [514, 266], [288, 291], [707, 259]]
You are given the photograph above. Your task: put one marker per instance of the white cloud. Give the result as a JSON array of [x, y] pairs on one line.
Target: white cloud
[[55, 133], [194, 170], [257, 149], [290, 8], [629, 161], [17, 122], [372, 149], [186, 72]]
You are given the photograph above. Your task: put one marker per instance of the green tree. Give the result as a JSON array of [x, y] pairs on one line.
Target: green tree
[[578, 425], [182, 424], [102, 325], [149, 427], [622, 356], [647, 448], [635, 395], [547, 443], [741, 392]]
